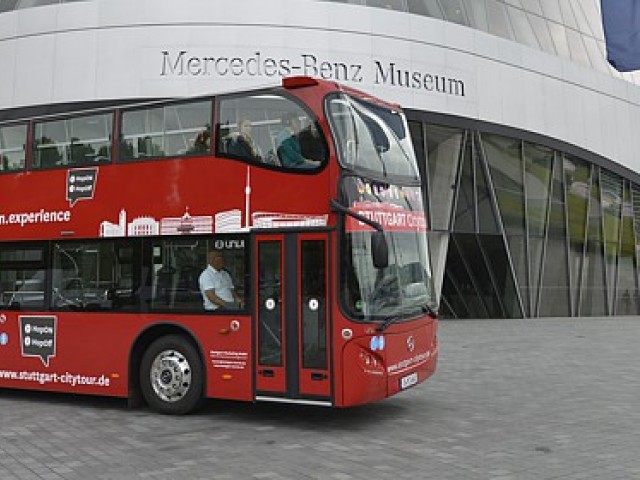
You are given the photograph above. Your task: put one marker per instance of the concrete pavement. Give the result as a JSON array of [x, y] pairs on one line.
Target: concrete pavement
[[512, 399]]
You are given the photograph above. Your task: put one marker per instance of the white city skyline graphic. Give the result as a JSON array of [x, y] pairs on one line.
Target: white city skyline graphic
[[221, 222]]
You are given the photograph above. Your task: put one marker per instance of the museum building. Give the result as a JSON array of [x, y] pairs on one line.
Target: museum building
[[526, 136]]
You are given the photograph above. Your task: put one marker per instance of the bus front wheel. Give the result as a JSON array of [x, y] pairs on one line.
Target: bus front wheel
[[171, 375]]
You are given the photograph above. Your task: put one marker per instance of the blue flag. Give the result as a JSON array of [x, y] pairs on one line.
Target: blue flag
[[621, 21]]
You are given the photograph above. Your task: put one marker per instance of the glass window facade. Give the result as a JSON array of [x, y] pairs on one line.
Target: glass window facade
[[568, 28], [526, 230]]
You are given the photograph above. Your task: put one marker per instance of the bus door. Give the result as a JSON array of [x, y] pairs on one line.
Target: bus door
[[292, 354]]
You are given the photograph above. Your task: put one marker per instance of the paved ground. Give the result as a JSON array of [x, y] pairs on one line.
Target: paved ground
[[534, 399]]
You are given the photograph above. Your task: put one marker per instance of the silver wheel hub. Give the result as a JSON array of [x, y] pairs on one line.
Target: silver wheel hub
[[170, 375]]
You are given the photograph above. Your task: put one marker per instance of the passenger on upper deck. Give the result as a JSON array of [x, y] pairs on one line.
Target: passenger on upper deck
[[311, 143], [289, 148], [242, 143], [202, 142]]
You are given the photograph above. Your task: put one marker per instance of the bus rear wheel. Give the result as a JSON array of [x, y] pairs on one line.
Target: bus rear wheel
[[171, 375]]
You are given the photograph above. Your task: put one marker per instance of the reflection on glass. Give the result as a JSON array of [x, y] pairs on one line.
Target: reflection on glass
[[22, 278], [465, 216], [13, 140], [270, 130], [577, 177], [270, 304], [95, 275], [171, 130], [593, 291], [372, 138], [313, 303], [487, 215], [554, 290], [444, 145], [405, 286], [74, 141], [504, 157], [627, 296], [464, 294], [497, 259], [179, 263], [538, 163], [611, 200], [472, 256], [572, 230]]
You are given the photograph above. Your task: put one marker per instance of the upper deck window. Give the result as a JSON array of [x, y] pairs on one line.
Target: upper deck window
[[166, 131], [13, 140], [270, 129], [74, 141], [372, 139]]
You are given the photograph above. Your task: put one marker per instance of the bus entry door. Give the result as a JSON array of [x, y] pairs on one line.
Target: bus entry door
[[292, 357]]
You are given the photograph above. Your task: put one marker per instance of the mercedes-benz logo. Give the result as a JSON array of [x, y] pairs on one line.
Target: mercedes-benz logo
[[411, 344]]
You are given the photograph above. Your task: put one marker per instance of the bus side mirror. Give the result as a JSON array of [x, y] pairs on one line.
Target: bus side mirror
[[379, 250]]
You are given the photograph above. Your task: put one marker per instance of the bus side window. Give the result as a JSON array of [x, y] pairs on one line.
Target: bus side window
[[172, 130], [22, 278], [269, 129], [47, 155], [176, 267], [179, 263], [13, 140], [82, 140], [95, 275]]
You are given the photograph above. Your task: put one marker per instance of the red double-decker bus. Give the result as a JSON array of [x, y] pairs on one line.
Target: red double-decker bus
[[258, 245]]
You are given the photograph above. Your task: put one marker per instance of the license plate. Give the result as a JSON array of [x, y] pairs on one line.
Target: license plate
[[409, 380]]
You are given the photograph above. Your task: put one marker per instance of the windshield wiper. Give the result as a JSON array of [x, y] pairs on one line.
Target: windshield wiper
[[387, 323], [426, 308]]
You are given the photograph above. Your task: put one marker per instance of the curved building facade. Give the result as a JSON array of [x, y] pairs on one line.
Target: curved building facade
[[526, 135]]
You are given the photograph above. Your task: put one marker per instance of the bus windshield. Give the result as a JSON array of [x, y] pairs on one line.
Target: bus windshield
[[404, 287], [372, 139]]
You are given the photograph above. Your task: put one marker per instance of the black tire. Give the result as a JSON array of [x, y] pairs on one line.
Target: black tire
[[171, 376]]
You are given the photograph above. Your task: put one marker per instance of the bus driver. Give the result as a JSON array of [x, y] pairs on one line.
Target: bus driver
[[216, 285]]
